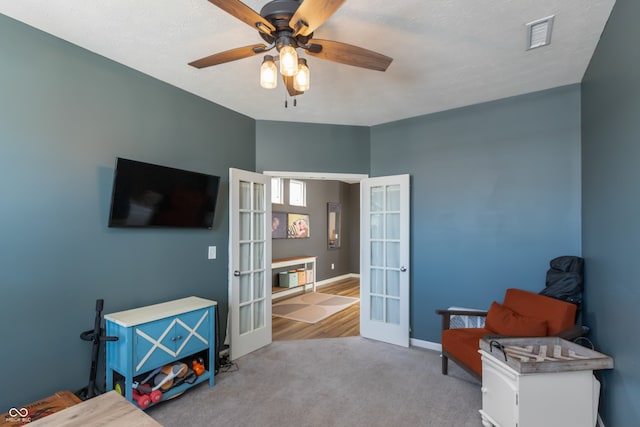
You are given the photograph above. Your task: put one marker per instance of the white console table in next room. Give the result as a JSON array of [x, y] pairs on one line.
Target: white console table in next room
[[299, 260]]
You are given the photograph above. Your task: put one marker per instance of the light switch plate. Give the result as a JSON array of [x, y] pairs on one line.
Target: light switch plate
[[212, 252]]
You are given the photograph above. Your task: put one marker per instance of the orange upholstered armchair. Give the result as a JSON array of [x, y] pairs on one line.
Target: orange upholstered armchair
[[521, 314]]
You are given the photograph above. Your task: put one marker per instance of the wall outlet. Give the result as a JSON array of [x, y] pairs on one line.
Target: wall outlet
[[212, 252], [333, 266]]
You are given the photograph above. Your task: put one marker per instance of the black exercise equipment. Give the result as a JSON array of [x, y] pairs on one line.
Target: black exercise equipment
[[94, 335]]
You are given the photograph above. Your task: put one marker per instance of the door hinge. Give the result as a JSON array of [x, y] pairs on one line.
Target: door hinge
[[516, 402]]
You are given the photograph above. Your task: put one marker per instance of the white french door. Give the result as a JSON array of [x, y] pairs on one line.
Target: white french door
[[384, 259], [249, 262]]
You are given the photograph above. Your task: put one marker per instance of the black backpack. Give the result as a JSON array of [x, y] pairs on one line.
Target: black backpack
[[565, 279]]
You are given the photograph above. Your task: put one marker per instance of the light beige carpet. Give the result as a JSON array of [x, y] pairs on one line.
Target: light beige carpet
[[330, 382], [312, 307]]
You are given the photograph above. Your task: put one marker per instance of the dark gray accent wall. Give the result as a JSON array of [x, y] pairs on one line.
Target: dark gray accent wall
[[308, 147], [611, 209], [319, 193], [495, 195], [65, 114]]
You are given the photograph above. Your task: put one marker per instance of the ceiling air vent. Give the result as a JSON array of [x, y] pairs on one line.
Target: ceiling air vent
[[539, 32]]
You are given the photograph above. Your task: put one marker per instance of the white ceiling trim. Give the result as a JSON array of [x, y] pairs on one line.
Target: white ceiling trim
[[349, 178]]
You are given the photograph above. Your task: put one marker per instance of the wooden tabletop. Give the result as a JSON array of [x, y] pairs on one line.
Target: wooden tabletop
[[109, 409]]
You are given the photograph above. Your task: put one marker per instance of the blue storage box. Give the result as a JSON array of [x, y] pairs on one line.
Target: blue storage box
[[288, 279]]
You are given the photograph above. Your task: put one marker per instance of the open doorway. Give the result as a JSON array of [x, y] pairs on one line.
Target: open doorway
[[337, 265], [384, 271]]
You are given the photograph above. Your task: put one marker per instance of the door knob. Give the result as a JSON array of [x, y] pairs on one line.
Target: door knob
[[236, 273], [403, 268]]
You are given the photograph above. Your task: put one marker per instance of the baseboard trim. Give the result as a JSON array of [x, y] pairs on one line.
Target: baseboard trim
[[426, 344], [335, 279]]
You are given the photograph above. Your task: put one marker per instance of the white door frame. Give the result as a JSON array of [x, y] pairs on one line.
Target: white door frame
[[345, 177]]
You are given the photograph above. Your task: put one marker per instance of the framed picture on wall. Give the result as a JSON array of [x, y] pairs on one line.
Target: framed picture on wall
[[298, 226], [279, 225]]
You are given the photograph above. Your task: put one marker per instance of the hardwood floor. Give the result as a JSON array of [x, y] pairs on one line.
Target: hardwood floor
[[343, 324]]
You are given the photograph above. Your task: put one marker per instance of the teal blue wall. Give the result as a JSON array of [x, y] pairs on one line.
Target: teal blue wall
[[611, 209], [309, 147], [65, 114], [495, 195]]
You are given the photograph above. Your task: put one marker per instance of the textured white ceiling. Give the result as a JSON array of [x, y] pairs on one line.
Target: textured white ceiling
[[447, 53]]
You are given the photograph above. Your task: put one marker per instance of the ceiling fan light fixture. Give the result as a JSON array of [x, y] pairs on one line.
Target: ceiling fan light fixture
[[288, 60], [287, 25], [268, 73], [302, 77]]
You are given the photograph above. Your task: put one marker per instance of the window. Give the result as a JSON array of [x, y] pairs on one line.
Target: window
[[297, 193], [277, 191]]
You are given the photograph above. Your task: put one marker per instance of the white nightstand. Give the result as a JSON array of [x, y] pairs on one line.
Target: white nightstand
[[543, 382]]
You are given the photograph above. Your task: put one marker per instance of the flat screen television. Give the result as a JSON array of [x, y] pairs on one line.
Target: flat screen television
[[148, 195]]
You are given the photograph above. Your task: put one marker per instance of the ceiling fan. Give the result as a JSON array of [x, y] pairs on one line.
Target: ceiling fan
[[287, 25]]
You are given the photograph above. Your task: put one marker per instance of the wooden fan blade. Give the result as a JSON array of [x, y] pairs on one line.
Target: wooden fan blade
[[311, 14], [245, 14], [288, 82], [228, 56], [348, 54]]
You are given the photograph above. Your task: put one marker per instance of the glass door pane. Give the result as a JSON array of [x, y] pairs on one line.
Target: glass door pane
[[384, 235], [252, 226]]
